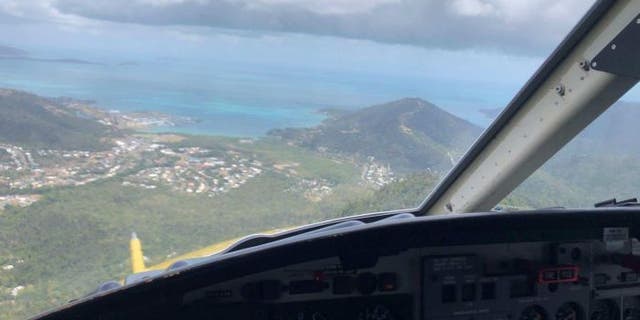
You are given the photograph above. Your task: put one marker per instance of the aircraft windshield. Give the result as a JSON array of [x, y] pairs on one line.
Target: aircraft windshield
[[192, 122]]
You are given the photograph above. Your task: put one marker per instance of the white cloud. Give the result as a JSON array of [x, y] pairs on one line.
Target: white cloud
[[44, 11], [549, 11], [472, 7], [531, 27], [325, 6], [164, 3], [186, 36]]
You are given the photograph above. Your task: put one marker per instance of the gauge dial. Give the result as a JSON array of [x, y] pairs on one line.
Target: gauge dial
[[319, 316], [631, 314], [533, 313], [378, 312], [569, 311], [603, 310]]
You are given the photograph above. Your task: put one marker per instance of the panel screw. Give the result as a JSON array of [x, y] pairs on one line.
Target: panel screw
[[594, 64], [584, 65], [560, 89], [613, 46], [449, 207]]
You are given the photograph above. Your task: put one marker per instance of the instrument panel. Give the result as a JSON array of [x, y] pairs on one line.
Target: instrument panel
[[594, 280], [538, 265]]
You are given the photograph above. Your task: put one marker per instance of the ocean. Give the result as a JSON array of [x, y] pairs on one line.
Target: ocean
[[234, 99]]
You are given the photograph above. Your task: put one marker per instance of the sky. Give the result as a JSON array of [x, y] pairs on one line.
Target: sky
[[494, 43], [526, 27]]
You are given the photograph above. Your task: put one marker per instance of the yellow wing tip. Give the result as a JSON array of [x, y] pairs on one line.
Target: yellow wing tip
[[137, 257], [203, 252]]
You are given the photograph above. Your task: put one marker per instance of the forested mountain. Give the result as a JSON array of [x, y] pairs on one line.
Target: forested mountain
[[406, 193], [32, 121], [410, 134], [73, 237]]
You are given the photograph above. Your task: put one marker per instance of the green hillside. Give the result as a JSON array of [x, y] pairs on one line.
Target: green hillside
[[410, 134], [407, 193], [579, 180], [75, 238], [32, 121]]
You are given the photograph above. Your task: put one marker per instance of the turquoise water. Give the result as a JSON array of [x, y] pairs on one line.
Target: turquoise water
[[232, 98]]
